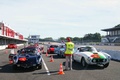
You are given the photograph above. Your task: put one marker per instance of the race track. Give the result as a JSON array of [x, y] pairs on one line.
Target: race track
[[51, 73]]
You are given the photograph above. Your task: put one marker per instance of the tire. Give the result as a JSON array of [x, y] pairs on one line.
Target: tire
[[83, 63], [58, 54], [63, 56], [106, 65], [39, 66]]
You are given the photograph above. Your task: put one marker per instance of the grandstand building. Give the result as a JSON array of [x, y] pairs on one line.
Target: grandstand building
[[33, 38], [8, 35], [113, 35]]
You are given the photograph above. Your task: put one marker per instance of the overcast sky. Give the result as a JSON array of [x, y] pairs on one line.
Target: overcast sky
[[60, 18]]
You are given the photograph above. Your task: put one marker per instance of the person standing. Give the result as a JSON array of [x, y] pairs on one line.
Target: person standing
[[68, 54]]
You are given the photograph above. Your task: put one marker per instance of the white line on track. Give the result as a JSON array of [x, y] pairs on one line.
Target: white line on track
[[48, 72]]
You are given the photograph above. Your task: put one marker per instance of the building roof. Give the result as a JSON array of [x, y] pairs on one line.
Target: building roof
[[112, 29]]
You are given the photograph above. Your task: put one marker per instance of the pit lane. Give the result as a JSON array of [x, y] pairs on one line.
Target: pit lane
[[78, 73]]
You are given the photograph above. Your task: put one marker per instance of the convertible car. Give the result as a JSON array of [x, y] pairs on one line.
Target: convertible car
[[28, 57], [88, 55], [11, 46], [51, 49], [60, 50]]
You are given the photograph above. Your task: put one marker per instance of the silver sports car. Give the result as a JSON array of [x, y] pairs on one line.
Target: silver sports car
[[88, 55]]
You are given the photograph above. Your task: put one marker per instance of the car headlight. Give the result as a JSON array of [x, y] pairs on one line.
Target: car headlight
[[94, 60], [109, 57], [89, 59], [104, 60]]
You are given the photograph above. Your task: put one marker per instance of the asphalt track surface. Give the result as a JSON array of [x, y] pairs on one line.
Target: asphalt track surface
[[50, 71]]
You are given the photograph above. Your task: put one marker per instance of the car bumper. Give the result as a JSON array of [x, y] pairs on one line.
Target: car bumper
[[98, 62]]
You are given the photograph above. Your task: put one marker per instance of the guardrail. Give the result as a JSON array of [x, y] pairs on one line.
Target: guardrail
[[106, 44], [115, 55]]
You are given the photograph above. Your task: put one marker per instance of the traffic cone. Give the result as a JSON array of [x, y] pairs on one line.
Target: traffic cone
[[46, 54], [10, 61], [51, 59], [6, 51], [61, 70], [43, 52], [15, 52]]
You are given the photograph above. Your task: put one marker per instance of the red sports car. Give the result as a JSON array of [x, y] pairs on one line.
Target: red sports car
[[12, 46], [51, 48]]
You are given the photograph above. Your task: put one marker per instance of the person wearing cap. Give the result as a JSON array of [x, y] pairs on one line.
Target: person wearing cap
[[68, 54]]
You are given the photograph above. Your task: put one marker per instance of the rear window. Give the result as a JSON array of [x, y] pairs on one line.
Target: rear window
[[53, 46], [28, 50]]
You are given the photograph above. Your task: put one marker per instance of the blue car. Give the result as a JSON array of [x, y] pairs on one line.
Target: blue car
[[28, 57], [60, 50]]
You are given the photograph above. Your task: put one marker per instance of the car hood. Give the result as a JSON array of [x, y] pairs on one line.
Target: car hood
[[27, 55], [95, 55]]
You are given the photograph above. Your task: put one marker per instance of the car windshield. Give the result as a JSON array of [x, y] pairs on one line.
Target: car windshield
[[28, 50], [53, 46], [62, 46], [12, 44], [91, 49]]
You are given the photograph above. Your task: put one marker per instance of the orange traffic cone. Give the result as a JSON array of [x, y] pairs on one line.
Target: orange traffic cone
[[15, 51], [46, 54], [6, 51], [51, 59], [61, 70], [43, 52], [10, 61]]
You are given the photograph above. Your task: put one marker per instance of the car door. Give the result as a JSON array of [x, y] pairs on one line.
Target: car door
[[79, 54], [76, 54]]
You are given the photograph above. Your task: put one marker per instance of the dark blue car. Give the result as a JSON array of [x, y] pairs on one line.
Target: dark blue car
[[28, 57]]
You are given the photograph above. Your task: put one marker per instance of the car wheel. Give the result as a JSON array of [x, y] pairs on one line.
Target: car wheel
[[63, 55], [39, 66], [58, 54], [106, 65], [83, 62]]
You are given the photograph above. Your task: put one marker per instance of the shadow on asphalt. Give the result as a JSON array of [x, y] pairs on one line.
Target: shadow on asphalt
[[55, 56], [51, 72], [8, 69], [77, 66]]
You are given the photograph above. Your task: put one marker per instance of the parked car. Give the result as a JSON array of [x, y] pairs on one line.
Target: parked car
[[28, 57], [51, 49], [60, 50], [88, 55], [12, 46]]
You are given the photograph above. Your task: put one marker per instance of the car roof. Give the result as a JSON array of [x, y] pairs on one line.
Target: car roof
[[85, 46]]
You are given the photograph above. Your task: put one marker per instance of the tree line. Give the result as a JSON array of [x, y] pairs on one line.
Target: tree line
[[96, 37]]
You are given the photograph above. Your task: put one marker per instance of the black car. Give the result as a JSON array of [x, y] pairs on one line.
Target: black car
[[28, 57]]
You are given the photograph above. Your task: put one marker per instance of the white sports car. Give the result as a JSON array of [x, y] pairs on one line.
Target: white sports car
[[88, 55]]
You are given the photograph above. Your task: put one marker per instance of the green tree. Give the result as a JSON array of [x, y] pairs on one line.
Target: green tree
[[96, 37], [61, 38], [48, 38], [76, 39]]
